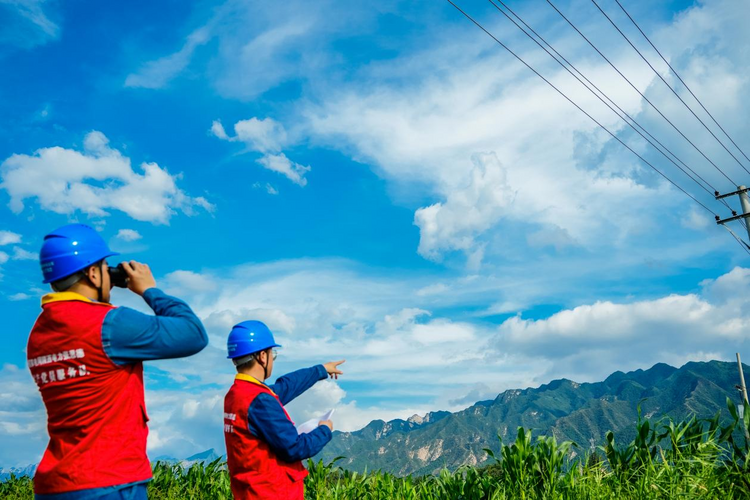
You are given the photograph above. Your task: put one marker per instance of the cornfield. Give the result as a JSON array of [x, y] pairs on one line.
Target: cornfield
[[698, 458]]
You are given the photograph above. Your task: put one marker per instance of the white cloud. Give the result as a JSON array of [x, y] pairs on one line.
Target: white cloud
[[283, 165], [468, 211], [22, 418], [420, 117], [551, 236], [4, 257], [264, 136], [267, 137], [31, 27], [256, 50], [9, 238], [595, 337], [93, 181], [22, 254], [322, 311], [128, 235], [190, 281], [405, 353], [19, 296], [158, 73]]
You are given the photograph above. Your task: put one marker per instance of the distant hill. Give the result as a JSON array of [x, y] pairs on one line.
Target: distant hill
[[565, 409], [5, 472]]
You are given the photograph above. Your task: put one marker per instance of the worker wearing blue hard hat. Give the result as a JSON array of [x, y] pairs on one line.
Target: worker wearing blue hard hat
[[86, 357], [264, 448]]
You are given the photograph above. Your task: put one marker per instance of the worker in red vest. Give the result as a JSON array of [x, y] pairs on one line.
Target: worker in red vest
[[86, 358], [264, 449]]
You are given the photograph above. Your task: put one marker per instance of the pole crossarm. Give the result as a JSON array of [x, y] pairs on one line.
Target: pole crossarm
[[730, 219], [739, 191]]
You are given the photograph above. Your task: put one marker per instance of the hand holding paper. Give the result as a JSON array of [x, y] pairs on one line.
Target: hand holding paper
[[312, 424]]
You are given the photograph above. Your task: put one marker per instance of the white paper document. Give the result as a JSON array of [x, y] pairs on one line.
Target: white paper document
[[311, 424]]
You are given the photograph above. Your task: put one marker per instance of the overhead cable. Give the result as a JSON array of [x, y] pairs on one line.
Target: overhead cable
[[669, 86], [609, 104], [641, 93], [681, 80], [465, 14], [712, 190], [742, 243]]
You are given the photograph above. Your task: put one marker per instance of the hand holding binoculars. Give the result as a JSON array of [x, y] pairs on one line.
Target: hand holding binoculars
[[118, 277]]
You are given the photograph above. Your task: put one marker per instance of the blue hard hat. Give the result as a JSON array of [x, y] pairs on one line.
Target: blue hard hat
[[249, 337], [69, 249]]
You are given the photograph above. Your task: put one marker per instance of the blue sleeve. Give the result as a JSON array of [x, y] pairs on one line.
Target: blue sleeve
[[174, 332], [268, 422], [293, 384]]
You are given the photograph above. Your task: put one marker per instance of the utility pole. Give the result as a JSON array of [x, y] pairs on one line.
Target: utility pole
[[742, 380], [744, 202], [743, 389]]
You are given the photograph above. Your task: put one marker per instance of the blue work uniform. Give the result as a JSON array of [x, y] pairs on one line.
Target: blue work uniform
[[267, 420]]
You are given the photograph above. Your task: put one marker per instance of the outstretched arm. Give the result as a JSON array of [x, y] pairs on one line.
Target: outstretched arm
[[293, 384]]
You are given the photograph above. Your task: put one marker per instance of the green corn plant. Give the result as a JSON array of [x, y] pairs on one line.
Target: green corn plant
[[696, 458]]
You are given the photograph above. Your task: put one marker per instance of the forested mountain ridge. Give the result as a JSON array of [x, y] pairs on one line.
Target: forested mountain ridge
[[581, 412]]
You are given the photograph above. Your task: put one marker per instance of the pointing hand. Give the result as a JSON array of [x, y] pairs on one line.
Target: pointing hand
[[332, 367]]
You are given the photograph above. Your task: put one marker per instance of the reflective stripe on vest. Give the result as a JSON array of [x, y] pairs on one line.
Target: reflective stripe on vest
[[254, 469], [96, 413]]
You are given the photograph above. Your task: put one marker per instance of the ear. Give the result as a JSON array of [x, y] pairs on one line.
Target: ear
[[92, 273]]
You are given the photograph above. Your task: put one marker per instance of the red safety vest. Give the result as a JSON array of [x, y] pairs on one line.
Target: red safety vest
[[255, 471], [96, 413]]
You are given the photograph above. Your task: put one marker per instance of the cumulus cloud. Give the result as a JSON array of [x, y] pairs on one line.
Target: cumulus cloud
[[93, 181], [295, 172], [128, 235], [467, 212], [408, 353], [675, 328], [399, 343], [267, 137], [22, 254], [22, 418], [419, 119], [8, 238], [189, 280]]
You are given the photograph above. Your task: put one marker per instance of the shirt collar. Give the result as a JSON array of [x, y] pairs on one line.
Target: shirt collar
[[68, 296], [252, 380]]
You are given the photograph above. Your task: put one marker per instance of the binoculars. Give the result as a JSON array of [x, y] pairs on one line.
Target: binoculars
[[118, 277]]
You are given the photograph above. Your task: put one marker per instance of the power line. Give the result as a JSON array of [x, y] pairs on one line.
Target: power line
[[743, 222], [669, 86], [577, 106], [712, 189], [742, 243], [682, 81], [641, 93]]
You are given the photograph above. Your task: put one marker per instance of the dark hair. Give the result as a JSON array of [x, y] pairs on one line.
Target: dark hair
[[253, 360], [65, 283], [247, 364]]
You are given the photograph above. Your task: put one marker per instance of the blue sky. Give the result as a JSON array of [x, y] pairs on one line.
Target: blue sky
[[376, 182]]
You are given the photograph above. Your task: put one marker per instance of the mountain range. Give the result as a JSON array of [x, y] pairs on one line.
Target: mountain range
[[579, 412]]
